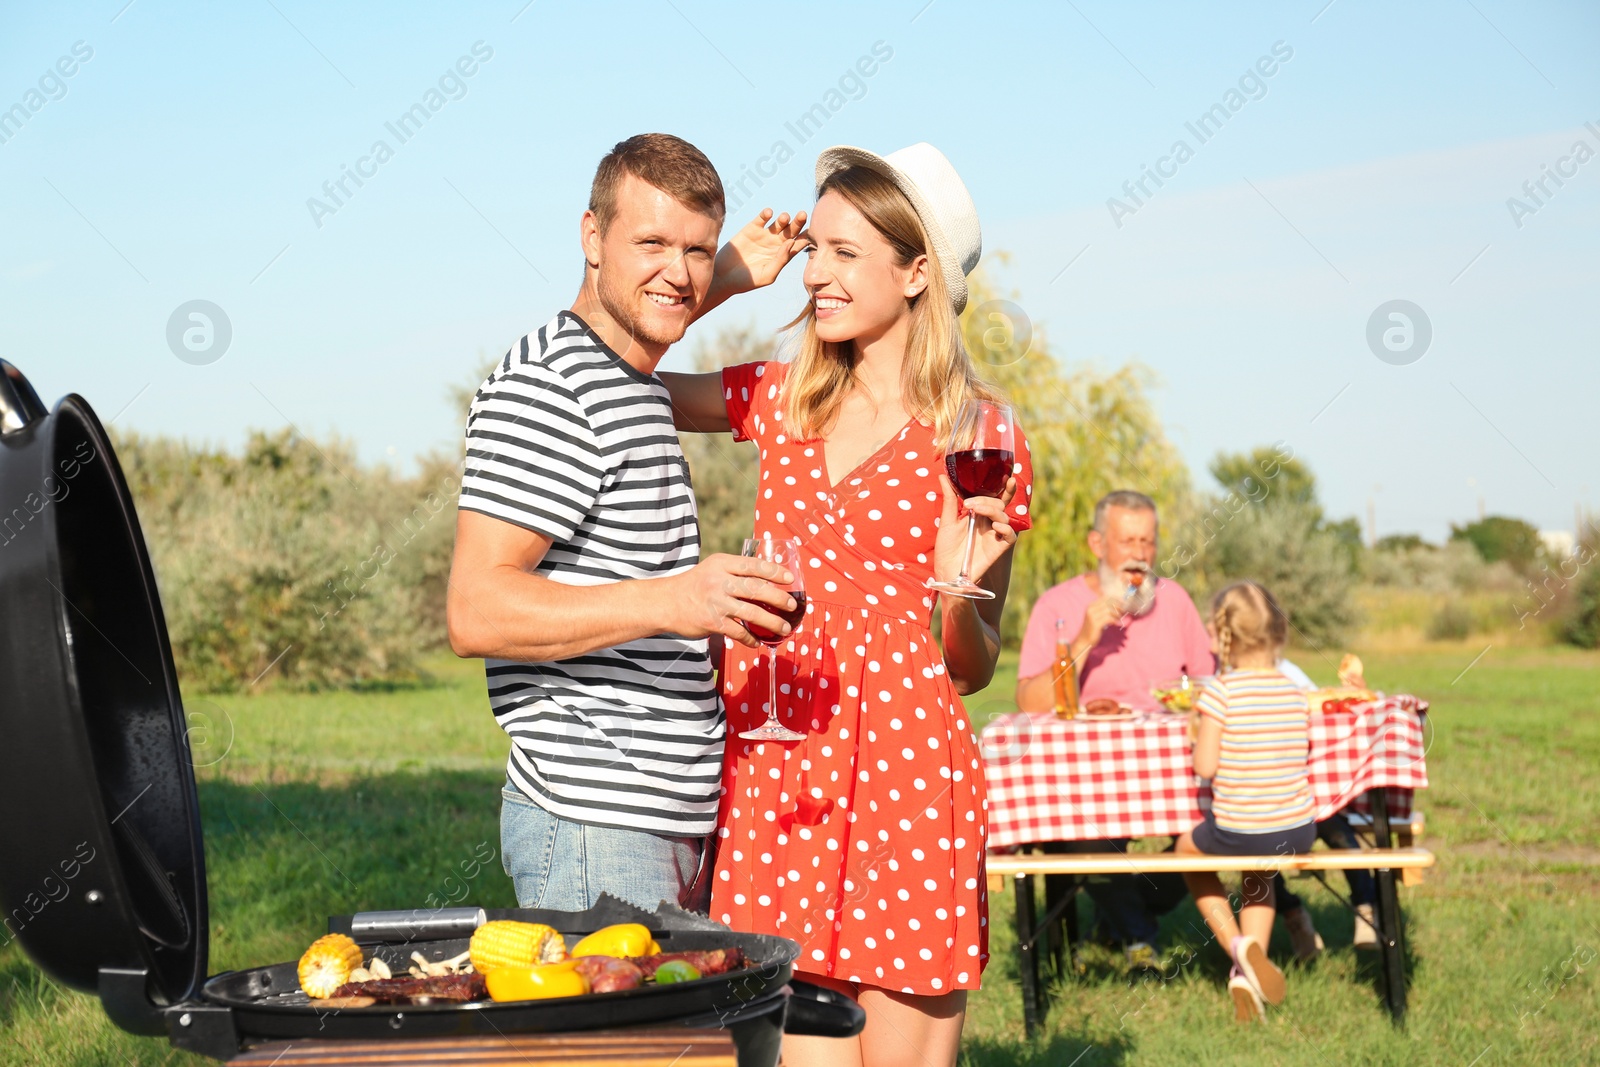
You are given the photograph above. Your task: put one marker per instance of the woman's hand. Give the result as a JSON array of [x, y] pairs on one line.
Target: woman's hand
[[757, 254], [992, 539]]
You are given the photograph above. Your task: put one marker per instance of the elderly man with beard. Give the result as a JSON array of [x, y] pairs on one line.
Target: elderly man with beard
[[1122, 644]]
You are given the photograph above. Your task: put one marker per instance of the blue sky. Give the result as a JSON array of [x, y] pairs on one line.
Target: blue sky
[[1375, 163]]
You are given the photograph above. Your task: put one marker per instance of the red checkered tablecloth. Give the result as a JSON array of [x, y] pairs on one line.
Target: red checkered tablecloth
[[1081, 779]]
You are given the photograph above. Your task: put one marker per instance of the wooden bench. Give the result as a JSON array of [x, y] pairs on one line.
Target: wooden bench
[[1382, 860]]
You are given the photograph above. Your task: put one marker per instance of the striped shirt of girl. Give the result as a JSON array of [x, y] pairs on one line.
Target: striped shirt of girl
[[1261, 784]]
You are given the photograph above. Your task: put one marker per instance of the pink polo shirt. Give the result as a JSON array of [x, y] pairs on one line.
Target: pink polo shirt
[[1131, 656]]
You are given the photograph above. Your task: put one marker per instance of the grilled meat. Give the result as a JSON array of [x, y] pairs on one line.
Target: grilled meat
[[707, 962], [461, 987], [607, 974]]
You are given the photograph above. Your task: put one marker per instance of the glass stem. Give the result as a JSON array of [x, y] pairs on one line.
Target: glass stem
[[972, 537], [772, 683]]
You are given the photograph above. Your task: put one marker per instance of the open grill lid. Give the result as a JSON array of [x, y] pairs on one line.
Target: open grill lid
[[103, 876]]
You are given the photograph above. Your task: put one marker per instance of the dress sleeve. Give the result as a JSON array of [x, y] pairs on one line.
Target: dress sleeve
[[749, 391], [1021, 509]]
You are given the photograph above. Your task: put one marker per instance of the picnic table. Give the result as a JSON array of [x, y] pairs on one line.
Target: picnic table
[[1087, 779]]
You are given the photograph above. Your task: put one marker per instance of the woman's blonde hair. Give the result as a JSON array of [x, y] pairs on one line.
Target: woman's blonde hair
[[937, 377], [1247, 619]]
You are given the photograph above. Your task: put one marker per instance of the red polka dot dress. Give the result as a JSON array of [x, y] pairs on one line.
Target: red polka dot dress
[[865, 841]]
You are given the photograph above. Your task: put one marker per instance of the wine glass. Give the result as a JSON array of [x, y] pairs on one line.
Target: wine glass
[[785, 552], [980, 469]]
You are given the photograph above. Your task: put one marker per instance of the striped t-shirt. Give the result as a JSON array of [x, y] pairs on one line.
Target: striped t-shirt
[[1261, 784], [567, 439]]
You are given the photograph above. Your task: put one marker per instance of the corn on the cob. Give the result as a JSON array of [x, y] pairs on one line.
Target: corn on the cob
[[507, 943], [327, 965]]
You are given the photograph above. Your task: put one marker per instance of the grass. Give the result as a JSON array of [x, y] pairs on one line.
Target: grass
[[326, 803]]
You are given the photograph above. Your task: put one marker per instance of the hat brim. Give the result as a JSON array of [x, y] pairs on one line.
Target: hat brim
[[840, 157]]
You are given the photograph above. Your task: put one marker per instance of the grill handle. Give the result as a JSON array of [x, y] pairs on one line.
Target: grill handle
[[416, 924], [19, 404]]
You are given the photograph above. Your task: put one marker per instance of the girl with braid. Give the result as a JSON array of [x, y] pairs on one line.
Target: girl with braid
[[1252, 740]]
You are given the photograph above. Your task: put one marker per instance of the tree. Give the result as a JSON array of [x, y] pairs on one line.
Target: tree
[[1279, 475], [1498, 537], [1284, 548], [1089, 431], [1269, 527], [1400, 543]]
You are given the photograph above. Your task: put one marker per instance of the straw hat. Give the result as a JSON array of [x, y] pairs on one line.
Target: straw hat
[[939, 197]]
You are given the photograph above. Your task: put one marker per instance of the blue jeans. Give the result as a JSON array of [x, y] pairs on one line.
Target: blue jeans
[[1337, 832], [1125, 905], [564, 865]]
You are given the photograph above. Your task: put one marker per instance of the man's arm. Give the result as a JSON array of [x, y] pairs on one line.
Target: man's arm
[[498, 608], [1199, 660], [1037, 692]]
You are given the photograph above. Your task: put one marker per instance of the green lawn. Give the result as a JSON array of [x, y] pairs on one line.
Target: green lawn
[[333, 802]]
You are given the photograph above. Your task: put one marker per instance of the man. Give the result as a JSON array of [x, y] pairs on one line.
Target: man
[[1121, 645], [575, 572]]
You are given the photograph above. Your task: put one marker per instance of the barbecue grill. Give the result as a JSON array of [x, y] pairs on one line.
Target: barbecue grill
[[103, 874]]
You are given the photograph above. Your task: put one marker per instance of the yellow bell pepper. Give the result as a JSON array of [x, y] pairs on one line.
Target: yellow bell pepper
[[622, 941], [541, 982]]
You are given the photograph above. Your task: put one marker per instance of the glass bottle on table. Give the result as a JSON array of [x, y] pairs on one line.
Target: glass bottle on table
[[1066, 675]]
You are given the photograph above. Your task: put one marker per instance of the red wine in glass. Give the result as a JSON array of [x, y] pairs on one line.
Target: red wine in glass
[[982, 464], [980, 471], [766, 636], [784, 551]]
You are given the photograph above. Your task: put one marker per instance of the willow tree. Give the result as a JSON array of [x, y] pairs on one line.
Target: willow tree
[[1090, 431]]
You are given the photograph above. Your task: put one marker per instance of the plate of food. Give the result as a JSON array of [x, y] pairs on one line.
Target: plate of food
[[1179, 694], [1104, 709], [1352, 689]]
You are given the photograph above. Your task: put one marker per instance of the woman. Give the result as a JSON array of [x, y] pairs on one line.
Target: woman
[[864, 842]]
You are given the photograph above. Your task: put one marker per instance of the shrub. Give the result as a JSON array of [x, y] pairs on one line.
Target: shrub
[[1304, 565], [1582, 626], [1399, 543], [291, 557], [1452, 622], [1499, 538], [1453, 567]]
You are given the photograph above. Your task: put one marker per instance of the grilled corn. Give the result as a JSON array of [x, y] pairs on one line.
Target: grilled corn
[[327, 965], [507, 943]]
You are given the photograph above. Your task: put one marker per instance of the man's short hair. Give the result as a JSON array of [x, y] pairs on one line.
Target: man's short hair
[[1122, 498], [669, 163]]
